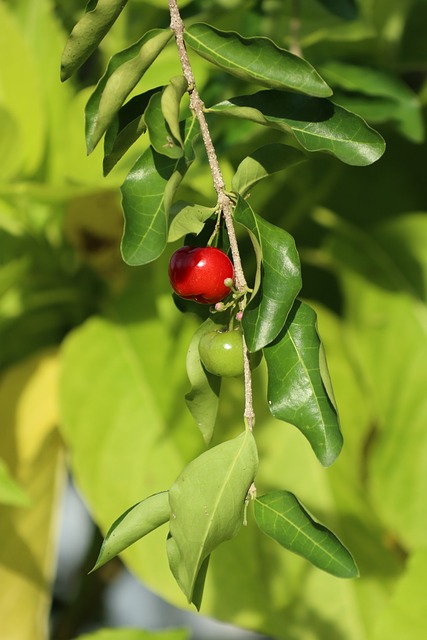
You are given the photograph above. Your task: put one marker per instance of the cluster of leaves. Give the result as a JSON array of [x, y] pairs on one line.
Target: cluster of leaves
[[205, 506], [127, 432]]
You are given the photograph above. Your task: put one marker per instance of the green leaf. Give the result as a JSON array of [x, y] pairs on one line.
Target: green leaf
[[21, 98], [281, 516], [207, 505], [127, 126], [88, 33], [262, 163], [389, 98], [316, 123], [255, 60], [346, 9], [10, 491], [202, 400], [161, 137], [280, 284], [298, 387], [147, 196], [134, 524], [135, 634], [404, 617], [382, 272], [171, 99], [124, 71], [187, 218]]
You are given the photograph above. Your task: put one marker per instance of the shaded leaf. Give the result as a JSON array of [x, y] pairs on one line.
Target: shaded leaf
[[135, 523], [316, 123], [147, 197], [124, 71], [281, 516], [255, 60], [205, 514], [202, 400], [161, 137], [262, 163], [297, 386], [127, 126], [88, 33], [187, 218], [280, 281], [389, 98], [346, 9]]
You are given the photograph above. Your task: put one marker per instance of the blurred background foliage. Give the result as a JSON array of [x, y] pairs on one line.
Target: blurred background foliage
[[92, 352]]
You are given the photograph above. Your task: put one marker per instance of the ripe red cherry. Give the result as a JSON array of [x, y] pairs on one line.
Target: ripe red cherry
[[198, 273]]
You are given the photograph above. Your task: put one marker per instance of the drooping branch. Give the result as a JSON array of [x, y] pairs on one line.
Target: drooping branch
[[224, 202]]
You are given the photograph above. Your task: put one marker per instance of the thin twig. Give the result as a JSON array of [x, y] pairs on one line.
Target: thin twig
[[224, 202]]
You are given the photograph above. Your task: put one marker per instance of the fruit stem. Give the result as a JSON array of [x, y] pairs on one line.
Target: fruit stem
[[225, 202]]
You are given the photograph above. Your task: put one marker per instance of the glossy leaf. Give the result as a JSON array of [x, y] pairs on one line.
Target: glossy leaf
[[124, 71], [170, 102], [127, 126], [346, 9], [88, 33], [255, 60], [262, 163], [316, 123], [389, 98], [281, 516], [161, 137], [202, 400], [298, 385], [134, 524], [280, 281], [147, 197], [187, 218], [206, 513]]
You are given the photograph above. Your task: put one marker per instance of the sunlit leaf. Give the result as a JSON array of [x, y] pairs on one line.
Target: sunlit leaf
[[88, 33], [297, 391], [316, 123], [170, 103], [33, 451], [281, 516], [135, 523], [205, 514], [266, 313], [147, 197], [10, 491], [202, 399], [187, 218], [255, 60], [124, 71], [20, 89], [135, 634]]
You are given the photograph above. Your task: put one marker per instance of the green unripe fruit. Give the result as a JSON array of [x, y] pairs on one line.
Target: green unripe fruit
[[221, 353]]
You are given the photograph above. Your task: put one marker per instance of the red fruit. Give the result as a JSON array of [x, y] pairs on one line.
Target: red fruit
[[198, 273]]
